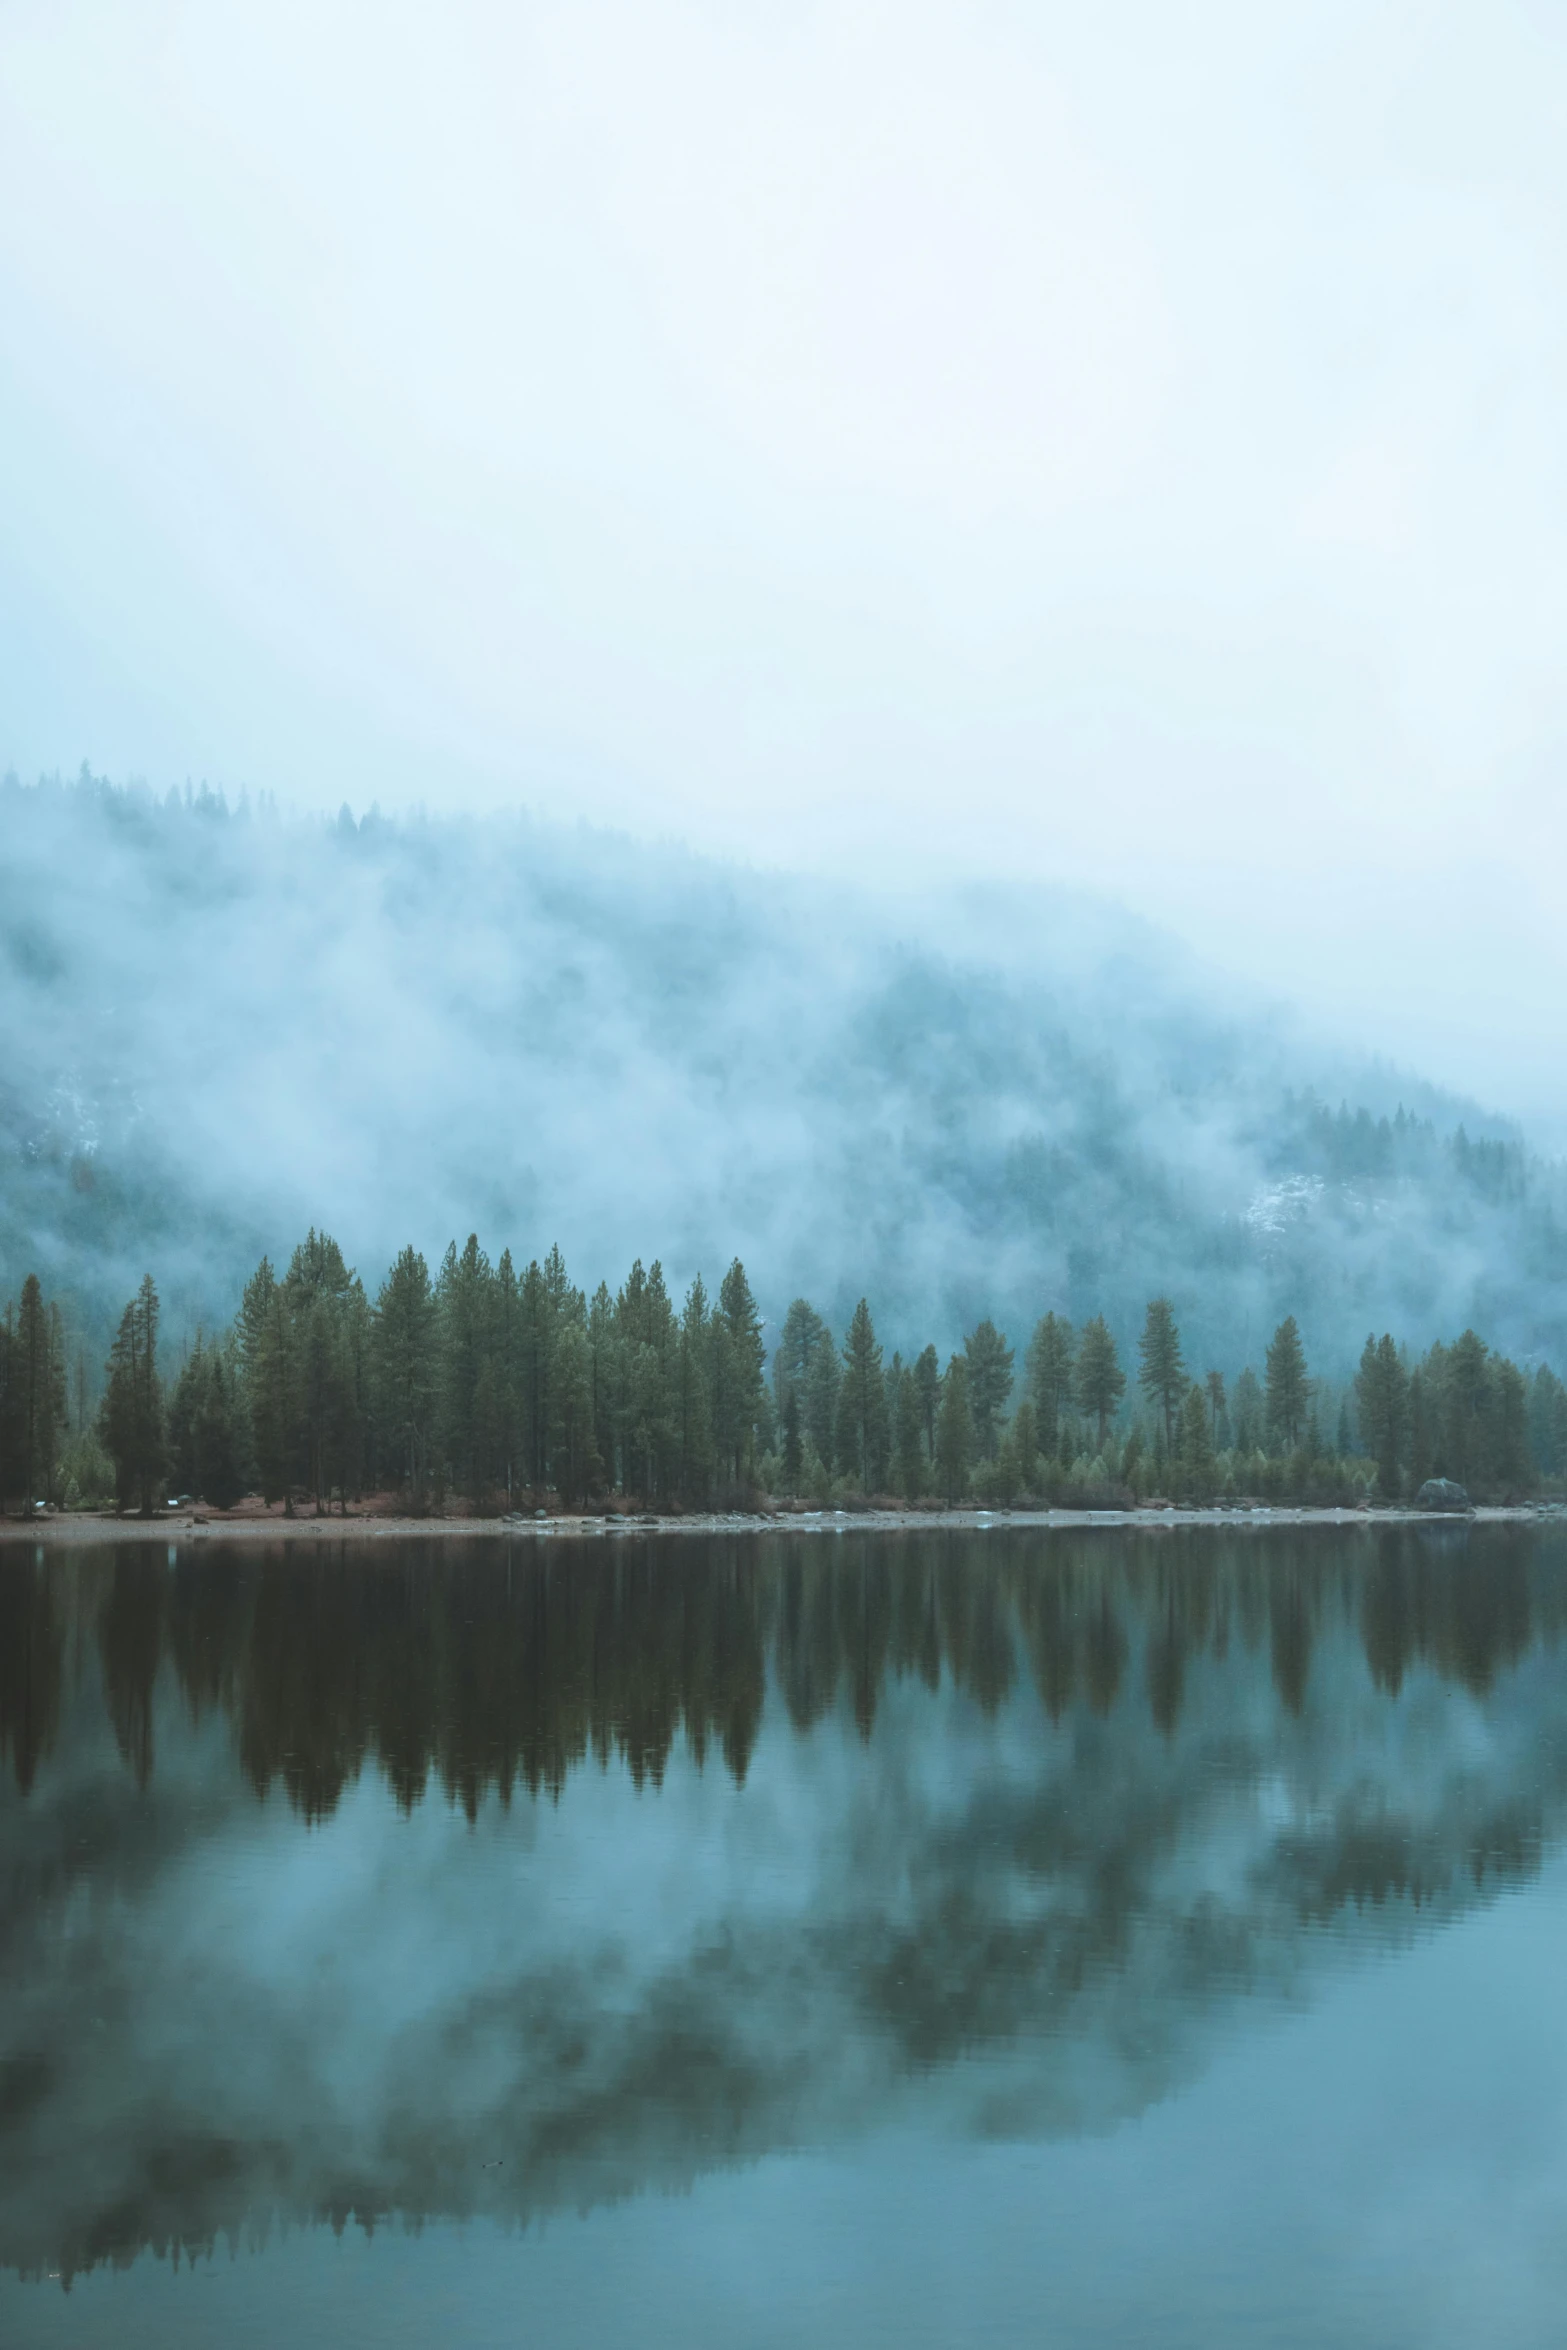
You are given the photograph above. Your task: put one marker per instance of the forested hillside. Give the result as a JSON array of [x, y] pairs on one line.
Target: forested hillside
[[222, 1027]]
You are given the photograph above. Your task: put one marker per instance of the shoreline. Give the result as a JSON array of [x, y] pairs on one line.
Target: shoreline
[[77, 1527]]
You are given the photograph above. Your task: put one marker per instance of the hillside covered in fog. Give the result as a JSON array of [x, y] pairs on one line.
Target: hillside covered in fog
[[221, 1027]]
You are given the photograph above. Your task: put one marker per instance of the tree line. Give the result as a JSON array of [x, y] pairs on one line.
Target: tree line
[[505, 1389]]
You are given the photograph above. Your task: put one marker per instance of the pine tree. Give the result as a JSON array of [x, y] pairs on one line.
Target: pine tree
[[548, 1303], [405, 1371], [661, 1338], [470, 1383], [1025, 1445], [266, 1347], [614, 1340], [862, 1405], [891, 1377], [954, 1433], [219, 1444], [927, 1387], [536, 1354], [1511, 1465], [738, 1357], [131, 1423], [1196, 1447], [766, 1438], [1421, 1433], [693, 1403], [820, 1390], [803, 1333], [180, 1425], [1468, 1394], [988, 1376], [1382, 1399], [205, 1451], [1288, 1388], [578, 1468], [508, 1361], [1216, 1407], [1051, 1354], [1548, 1422], [1100, 1380], [316, 1303], [38, 1368], [11, 1445], [359, 1431], [1163, 1373], [909, 1434], [637, 1345], [793, 1450]]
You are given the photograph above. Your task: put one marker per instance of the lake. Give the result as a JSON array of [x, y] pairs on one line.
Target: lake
[[1110, 1937]]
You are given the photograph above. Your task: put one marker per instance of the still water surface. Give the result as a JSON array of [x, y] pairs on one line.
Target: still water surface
[[1112, 1938]]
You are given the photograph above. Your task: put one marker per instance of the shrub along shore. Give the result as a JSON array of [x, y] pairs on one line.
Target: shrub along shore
[[482, 1394]]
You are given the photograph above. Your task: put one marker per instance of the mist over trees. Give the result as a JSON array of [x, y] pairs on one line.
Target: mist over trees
[[223, 1026]]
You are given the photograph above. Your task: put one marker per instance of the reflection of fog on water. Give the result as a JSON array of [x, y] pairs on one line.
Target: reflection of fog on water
[[747, 1844]]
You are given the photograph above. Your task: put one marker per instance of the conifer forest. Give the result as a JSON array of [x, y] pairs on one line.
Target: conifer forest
[[486, 1388]]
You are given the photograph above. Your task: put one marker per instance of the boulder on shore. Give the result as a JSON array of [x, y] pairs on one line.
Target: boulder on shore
[[1440, 1493]]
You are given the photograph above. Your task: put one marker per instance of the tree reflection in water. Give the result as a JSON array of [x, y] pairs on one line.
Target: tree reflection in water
[[493, 1665], [1014, 1794]]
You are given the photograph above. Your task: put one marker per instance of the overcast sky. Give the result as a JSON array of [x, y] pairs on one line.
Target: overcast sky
[[1116, 443]]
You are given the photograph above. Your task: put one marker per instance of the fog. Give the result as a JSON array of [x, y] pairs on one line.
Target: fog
[[1116, 448], [226, 1027]]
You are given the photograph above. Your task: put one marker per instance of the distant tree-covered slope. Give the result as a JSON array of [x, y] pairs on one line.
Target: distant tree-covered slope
[[220, 1026]]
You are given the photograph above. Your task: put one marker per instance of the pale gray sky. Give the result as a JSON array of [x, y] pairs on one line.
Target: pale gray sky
[[1121, 444]]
